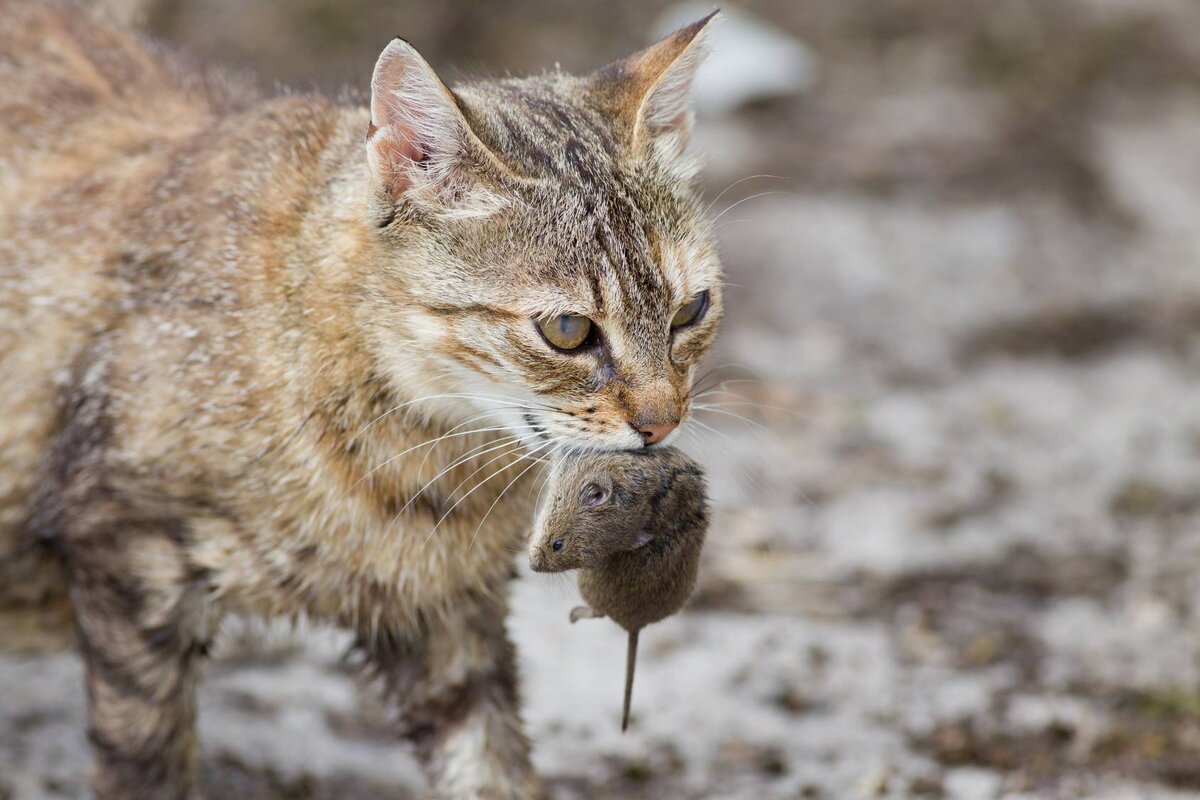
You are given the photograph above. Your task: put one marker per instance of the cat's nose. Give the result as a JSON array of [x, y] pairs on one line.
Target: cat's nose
[[655, 432]]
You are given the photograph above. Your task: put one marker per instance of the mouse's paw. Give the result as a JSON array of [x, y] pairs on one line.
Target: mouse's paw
[[584, 612]]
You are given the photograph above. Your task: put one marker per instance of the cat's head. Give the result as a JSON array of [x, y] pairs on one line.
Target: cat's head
[[544, 244]]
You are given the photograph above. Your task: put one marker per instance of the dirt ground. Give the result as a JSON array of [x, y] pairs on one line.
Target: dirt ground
[[957, 550]]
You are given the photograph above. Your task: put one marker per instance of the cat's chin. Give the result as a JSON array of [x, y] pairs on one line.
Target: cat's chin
[[576, 445], [621, 443]]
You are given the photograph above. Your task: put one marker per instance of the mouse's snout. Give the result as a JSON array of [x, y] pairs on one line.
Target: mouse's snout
[[546, 555], [538, 561]]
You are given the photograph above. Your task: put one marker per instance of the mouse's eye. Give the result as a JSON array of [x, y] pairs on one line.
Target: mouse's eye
[[594, 495], [557, 545]]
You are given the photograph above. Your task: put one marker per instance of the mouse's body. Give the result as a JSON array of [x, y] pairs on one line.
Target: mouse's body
[[634, 524], [641, 586]]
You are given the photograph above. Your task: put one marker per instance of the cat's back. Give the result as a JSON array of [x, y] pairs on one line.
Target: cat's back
[[89, 120], [78, 91], [89, 115]]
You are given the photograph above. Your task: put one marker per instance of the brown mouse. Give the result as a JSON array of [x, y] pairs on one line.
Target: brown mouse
[[633, 523]]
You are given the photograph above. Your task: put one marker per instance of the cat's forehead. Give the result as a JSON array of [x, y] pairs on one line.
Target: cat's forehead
[[545, 127], [603, 230], [607, 251]]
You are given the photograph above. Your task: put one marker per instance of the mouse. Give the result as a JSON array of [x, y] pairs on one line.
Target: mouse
[[633, 523]]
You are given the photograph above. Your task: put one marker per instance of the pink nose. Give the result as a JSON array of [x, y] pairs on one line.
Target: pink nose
[[653, 434]]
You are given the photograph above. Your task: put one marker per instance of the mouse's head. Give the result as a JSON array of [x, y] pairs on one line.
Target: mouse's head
[[600, 504]]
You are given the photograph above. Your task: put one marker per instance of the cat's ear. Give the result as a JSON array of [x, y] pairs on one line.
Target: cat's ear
[[418, 139], [652, 89]]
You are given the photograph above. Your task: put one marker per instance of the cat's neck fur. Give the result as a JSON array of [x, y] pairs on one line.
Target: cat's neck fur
[[371, 408]]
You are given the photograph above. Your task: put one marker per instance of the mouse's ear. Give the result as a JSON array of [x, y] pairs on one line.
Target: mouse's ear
[[642, 539], [596, 492]]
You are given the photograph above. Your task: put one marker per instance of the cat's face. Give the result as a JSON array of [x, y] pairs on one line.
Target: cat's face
[[562, 269]]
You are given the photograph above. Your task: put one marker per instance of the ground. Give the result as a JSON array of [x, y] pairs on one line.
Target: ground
[[957, 550]]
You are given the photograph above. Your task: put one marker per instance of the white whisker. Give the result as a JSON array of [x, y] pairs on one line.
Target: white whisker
[[735, 415], [507, 402], [509, 443], [748, 199], [474, 488], [738, 182], [503, 492], [430, 443]]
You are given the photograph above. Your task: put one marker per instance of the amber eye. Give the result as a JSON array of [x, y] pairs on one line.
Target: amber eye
[[566, 331], [691, 312]]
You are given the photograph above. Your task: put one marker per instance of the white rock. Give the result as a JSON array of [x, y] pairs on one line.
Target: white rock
[[970, 783]]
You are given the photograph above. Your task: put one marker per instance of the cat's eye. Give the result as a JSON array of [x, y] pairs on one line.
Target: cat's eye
[[691, 312], [594, 495], [566, 331], [557, 544]]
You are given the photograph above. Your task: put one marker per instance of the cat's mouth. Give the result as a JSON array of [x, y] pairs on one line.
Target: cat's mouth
[[544, 431], [535, 427]]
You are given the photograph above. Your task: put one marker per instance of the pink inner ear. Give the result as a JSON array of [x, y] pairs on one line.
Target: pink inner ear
[[399, 152], [408, 115], [678, 122]]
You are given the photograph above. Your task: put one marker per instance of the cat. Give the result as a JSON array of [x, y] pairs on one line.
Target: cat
[[285, 356]]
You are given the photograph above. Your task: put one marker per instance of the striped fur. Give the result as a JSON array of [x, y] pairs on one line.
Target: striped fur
[[231, 330]]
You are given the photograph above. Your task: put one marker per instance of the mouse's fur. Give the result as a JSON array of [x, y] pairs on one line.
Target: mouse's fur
[[634, 524]]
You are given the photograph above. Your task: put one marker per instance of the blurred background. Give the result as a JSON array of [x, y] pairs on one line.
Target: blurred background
[[954, 445]]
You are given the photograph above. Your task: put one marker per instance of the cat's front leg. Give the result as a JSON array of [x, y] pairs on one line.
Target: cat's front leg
[[455, 688], [140, 618]]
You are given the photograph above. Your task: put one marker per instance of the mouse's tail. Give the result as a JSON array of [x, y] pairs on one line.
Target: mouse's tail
[[630, 663]]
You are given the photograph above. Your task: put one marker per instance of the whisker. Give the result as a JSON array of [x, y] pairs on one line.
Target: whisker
[[743, 402], [503, 492], [704, 426], [545, 481], [504, 401], [734, 382], [748, 199], [427, 381], [474, 488], [741, 472], [735, 415], [738, 182], [509, 449], [509, 443], [721, 390], [698, 383], [429, 453], [431, 442]]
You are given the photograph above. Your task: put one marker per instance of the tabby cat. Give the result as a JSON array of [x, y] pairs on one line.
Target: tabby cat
[[281, 356]]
